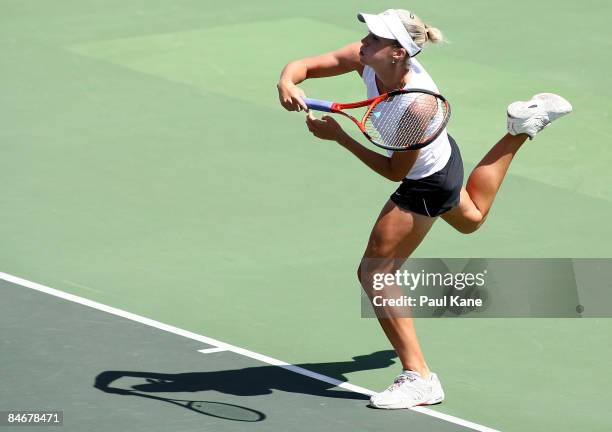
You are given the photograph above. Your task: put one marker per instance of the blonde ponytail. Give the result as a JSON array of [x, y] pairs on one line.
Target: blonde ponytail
[[434, 35], [418, 30]]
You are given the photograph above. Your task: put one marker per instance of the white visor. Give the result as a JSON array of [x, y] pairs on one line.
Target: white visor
[[388, 25]]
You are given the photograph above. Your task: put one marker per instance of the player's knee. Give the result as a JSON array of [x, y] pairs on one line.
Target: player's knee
[[366, 284], [475, 223], [365, 277], [470, 223], [468, 228]]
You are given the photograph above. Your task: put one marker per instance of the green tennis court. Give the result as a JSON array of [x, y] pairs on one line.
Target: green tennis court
[[147, 166]]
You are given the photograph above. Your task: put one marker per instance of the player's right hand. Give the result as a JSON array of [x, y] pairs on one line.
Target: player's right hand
[[290, 97]]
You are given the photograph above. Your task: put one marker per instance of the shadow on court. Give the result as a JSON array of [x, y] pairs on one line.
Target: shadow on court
[[251, 381], [228, 392]]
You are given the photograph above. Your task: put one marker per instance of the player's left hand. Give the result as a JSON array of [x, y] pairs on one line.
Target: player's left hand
[[325, 128]]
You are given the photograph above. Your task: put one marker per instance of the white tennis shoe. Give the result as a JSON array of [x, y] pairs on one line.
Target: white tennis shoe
[[409, 390], [531, 116]]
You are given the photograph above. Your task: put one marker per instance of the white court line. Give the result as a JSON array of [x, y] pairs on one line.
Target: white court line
[[211, 350], [227, 347]]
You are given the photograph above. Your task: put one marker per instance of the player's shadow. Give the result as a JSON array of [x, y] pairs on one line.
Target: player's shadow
[[251, 381]]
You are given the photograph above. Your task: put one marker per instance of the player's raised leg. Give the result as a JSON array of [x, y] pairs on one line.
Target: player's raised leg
[[525, 119]]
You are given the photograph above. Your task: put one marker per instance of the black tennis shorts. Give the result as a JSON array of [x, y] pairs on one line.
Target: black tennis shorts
[[435, 194]]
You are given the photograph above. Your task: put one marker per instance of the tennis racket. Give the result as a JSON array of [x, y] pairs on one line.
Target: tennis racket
[[398, 120]]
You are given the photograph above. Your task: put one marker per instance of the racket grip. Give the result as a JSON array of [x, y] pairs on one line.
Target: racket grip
[[318, 104]]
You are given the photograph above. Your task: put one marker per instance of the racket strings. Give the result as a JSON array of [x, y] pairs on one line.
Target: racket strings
[[406, 120]]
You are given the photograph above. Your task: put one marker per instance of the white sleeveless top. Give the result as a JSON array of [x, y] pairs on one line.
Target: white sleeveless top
[[433, 157]]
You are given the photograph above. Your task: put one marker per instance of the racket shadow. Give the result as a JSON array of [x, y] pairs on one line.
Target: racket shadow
[[220, 410], [250, 381]]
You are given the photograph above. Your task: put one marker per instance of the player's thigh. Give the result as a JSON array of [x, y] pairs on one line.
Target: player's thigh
[[397, 232], [395, 235]]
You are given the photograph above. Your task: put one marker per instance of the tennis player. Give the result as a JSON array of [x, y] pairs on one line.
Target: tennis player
[[431, 178]]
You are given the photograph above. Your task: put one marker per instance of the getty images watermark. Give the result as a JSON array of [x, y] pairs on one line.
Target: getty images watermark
[[487, 288], [413, 281]]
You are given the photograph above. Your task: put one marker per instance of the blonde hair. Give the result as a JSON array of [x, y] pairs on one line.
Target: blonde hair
[[418, 30]]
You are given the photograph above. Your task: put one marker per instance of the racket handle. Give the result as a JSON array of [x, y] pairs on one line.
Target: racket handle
[[318, 104]]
